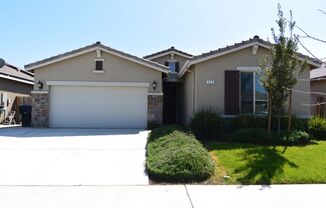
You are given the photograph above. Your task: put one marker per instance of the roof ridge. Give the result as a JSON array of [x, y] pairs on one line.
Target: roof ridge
[[172, 48], [256, 38], [101, 46]]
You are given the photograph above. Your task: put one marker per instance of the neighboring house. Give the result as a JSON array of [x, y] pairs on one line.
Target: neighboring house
[[318, 85], [100, 87], [15, 86]]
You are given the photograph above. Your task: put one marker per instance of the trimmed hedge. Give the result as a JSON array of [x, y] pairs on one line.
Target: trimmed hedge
[[206, 124], [260, 136], [253, 136], [317, 128], [174, 155], [254, 121]]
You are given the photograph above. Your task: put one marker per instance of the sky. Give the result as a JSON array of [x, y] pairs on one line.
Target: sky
[[37, 29]]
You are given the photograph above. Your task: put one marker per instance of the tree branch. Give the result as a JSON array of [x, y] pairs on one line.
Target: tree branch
[[321, 11], [296, 37], [306, 34]]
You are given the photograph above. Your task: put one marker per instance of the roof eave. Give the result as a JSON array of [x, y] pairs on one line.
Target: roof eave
[[150, 64], [202, 59]]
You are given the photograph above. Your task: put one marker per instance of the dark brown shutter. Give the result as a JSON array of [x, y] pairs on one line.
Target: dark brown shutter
[[166, 63], [232, 94], [176, 66], [99, 65]]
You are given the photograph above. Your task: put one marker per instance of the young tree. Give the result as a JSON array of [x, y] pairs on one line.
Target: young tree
[[280, 68]]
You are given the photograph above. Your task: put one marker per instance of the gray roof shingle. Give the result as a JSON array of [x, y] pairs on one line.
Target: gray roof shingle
[[251, 40], [11, 71], [97, 44], [318, 73], [168, 50]]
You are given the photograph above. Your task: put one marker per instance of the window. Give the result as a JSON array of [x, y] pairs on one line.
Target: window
[[99, 65], [173, 65], [253, 95]]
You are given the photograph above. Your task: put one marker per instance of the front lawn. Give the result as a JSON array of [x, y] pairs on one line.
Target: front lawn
[[254, 164]]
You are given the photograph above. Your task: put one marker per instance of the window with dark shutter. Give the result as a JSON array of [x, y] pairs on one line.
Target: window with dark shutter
[[176, 66], [98, 65], [232, 94], [166, 63]]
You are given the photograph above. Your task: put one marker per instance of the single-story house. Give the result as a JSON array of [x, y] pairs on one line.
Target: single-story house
[[100, 87], [318, 89], [15, 89]]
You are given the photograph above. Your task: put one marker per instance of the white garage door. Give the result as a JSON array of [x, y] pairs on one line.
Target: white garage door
[[98, 107]]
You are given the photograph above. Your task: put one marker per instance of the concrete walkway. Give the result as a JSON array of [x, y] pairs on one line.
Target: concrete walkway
[[179, 196]]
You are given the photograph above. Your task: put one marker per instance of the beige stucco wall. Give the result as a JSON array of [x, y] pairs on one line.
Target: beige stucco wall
[[116, 69], [317, 86], [212, 96], [187, 101], [299, 99], [163, 59]]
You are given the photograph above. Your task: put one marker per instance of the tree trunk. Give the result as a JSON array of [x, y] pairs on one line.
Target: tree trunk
[[269, 113], [290, 111], [279, 122]]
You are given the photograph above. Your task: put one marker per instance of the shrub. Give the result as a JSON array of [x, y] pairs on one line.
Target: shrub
[[254, 121], [249, 121], [260, 136], [254, 136], [297, 138], [317, 128], [206, 124], [174, 155]]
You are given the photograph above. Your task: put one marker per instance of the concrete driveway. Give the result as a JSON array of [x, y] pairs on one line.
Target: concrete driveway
[[72, 157]]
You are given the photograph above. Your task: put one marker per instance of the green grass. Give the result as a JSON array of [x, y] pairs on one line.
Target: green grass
[[254, 164]]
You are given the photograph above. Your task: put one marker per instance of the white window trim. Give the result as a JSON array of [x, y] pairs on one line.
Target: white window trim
[[155, 93], [253, 70], [40, 92], [172, 61], [98, 71], [247, 68], [98, 59]]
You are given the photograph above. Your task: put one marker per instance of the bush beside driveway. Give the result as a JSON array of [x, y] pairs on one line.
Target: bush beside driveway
[[174, 155]]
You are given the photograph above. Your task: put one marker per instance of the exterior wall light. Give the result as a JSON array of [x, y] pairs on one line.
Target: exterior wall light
[[40, 85], [154, 85]]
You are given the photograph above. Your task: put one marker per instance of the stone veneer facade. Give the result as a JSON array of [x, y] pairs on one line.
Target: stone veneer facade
[[40, 106], [155, 109]]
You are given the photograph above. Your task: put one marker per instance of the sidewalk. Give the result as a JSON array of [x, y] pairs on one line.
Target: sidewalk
[[178, 196]]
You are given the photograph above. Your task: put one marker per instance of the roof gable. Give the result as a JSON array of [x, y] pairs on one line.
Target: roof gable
[[95, 47], [236, 47], [167, 52]]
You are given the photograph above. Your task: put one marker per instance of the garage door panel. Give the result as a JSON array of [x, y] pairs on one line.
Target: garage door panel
[[98, 107]]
